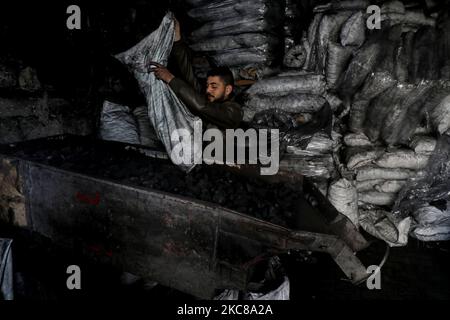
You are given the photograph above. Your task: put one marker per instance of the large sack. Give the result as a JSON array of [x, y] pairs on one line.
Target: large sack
[[363, 158], [333, 6], [390, 186], [360, 67], [375, 84], [311, 43], [353, 31], [406, 159], [329, 30], [337, 60], [368, 185], [245, 57], [385, 106], [217, 9], [232, 26], [432, 187], [357, 140], [372, 173], [377, 198], [382, 225], [147, 134], [230, 42], [277, 86], [343, 196], [441, 115], [167, 113], [433, 224], [292, 103], [400, 126], [380, 185], [117, 123], [423, 144]]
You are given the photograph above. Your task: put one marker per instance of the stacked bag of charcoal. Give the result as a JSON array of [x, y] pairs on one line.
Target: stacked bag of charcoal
[[248, 37], [398, 189], [386, 91], [427, 197], [376, 173], [301, 95], [240, 34], [394, 85], [297, 104], [337, 30]]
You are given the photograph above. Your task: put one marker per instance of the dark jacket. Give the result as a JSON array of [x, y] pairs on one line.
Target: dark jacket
[[225, 114]]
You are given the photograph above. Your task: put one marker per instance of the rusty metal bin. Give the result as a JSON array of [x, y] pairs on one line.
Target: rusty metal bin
[[187, 244]]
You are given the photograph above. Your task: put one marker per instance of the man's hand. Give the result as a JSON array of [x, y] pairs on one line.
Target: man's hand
[[177, 31], [161, 72]]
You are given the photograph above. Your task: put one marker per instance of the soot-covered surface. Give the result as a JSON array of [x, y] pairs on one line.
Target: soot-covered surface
[[276, 203]]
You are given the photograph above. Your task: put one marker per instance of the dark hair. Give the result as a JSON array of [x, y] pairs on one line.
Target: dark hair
[[224, 73]]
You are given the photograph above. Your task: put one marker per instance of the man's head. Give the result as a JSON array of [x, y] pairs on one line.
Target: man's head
[[219, 84]]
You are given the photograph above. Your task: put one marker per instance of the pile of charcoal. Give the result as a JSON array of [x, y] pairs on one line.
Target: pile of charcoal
[[277, 203], [240, 34]]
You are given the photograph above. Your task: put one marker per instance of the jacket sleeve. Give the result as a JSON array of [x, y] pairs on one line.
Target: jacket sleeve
[[183, 57], [225, 115]]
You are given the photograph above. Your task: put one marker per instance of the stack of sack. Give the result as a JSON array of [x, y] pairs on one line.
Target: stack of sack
[[392, 79], [315, 160], [239, 34], [375, 176], [307, 152], [388, 90], [403, 64], [293, 92], [427, 198], [397, 96], [392, 112], [340, 46], [337, 30], [382, 172], [296, 103]]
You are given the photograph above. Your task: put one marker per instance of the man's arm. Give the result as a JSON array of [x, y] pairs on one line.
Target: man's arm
[[182, 56]]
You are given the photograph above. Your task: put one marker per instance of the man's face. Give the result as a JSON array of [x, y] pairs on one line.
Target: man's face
[[216, 90]]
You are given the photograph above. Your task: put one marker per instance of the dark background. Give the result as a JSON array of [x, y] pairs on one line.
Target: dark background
[[78, 63]]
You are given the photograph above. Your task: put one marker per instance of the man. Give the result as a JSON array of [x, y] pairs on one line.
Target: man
[[217, 107]]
